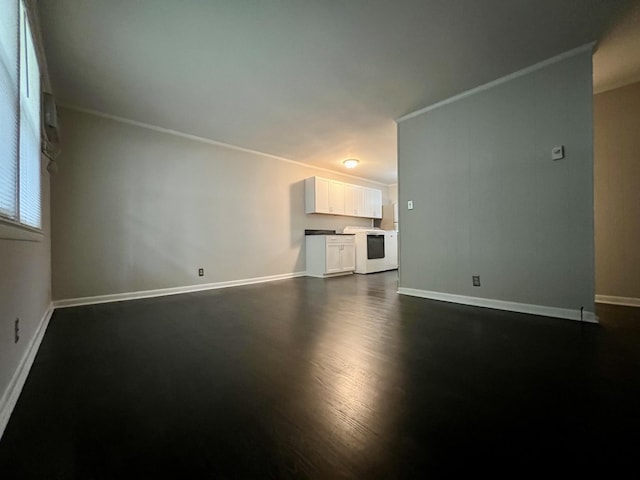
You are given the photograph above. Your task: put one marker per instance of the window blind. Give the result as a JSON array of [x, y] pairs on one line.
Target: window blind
[[29, 198], [9, 119], [20, 188]]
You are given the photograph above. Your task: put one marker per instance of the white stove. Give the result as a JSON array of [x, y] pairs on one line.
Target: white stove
[[376, 249]]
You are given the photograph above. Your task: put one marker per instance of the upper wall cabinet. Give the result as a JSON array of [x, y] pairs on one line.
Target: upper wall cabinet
[[338, 198], [320, 189], [373, 203], [353, 200]]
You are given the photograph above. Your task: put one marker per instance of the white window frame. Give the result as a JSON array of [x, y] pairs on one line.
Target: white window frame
[[11, 227]]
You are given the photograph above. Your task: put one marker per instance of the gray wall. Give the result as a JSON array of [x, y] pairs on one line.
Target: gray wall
[[617, 191], [136, 209], [25, 291], [489, 200]]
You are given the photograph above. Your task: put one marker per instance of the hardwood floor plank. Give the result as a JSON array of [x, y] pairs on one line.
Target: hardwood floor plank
[[324, 378]]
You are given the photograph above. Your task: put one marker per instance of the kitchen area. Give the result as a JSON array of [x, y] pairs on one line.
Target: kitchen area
[[354, 249]]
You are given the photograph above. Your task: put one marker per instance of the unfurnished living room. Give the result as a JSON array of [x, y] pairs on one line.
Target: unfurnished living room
[[322, 239]]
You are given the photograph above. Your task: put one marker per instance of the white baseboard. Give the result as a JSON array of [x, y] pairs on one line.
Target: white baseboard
[[160, 292], [627, 301], [502, 305], [11, 394]]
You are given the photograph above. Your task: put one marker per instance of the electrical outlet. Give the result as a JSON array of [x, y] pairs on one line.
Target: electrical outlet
[[476, 280], [410, 205], [201, 272], [557, 153], [16, 331]]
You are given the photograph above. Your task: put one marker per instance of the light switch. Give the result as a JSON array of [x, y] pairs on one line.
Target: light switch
[[557, 153], [410, 205]]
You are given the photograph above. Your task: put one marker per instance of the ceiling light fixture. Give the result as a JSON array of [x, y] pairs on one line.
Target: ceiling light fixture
[[351, 162]]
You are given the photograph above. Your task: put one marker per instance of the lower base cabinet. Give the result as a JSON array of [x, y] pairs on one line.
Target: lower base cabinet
[[330, 255]]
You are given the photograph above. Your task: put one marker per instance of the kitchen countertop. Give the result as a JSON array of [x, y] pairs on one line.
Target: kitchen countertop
[[324, 232]]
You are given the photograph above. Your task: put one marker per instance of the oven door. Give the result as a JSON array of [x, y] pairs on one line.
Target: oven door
[[375, 246]]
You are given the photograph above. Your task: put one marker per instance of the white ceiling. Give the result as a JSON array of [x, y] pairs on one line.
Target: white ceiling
[[315, 81]]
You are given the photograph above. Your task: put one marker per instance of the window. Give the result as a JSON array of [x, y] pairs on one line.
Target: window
[[19, 120]]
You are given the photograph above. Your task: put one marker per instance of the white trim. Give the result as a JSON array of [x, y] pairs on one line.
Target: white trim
[[11, 394], [195, 138], [161, 292], [494, 83], [616, 85], [569, 314], [329, 275], [10, 230], [613, 300]]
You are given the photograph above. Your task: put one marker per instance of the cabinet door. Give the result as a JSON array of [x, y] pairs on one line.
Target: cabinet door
[[350, 199], [368, 203], [333, 258], [336, 198], [376, 207], [322, 195], [348, 257], [353, 200], [359, 201]]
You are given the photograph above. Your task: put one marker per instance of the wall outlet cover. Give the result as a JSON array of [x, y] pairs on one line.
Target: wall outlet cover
[[557, 153], [476, 280], [410, 205]]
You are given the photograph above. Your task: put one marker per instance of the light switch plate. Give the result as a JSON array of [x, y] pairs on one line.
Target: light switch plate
[[410, 205], [557, 153]]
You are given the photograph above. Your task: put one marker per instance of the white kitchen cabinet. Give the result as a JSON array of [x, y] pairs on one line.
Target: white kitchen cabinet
[[372, 203], [316, 192], [336, 197], [330, 255], [339, 198], [324, 196], [368, 203], [376, 203], [353, 200], [334, 261]]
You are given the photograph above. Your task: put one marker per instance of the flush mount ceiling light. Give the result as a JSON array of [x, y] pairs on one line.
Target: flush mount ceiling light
[[351, 162]]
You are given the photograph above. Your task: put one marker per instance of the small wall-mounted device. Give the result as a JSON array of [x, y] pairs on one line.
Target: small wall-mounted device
[[557, 153], [410, 205]]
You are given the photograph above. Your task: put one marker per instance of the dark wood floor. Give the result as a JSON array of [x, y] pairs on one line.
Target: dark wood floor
[[325, 379]]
